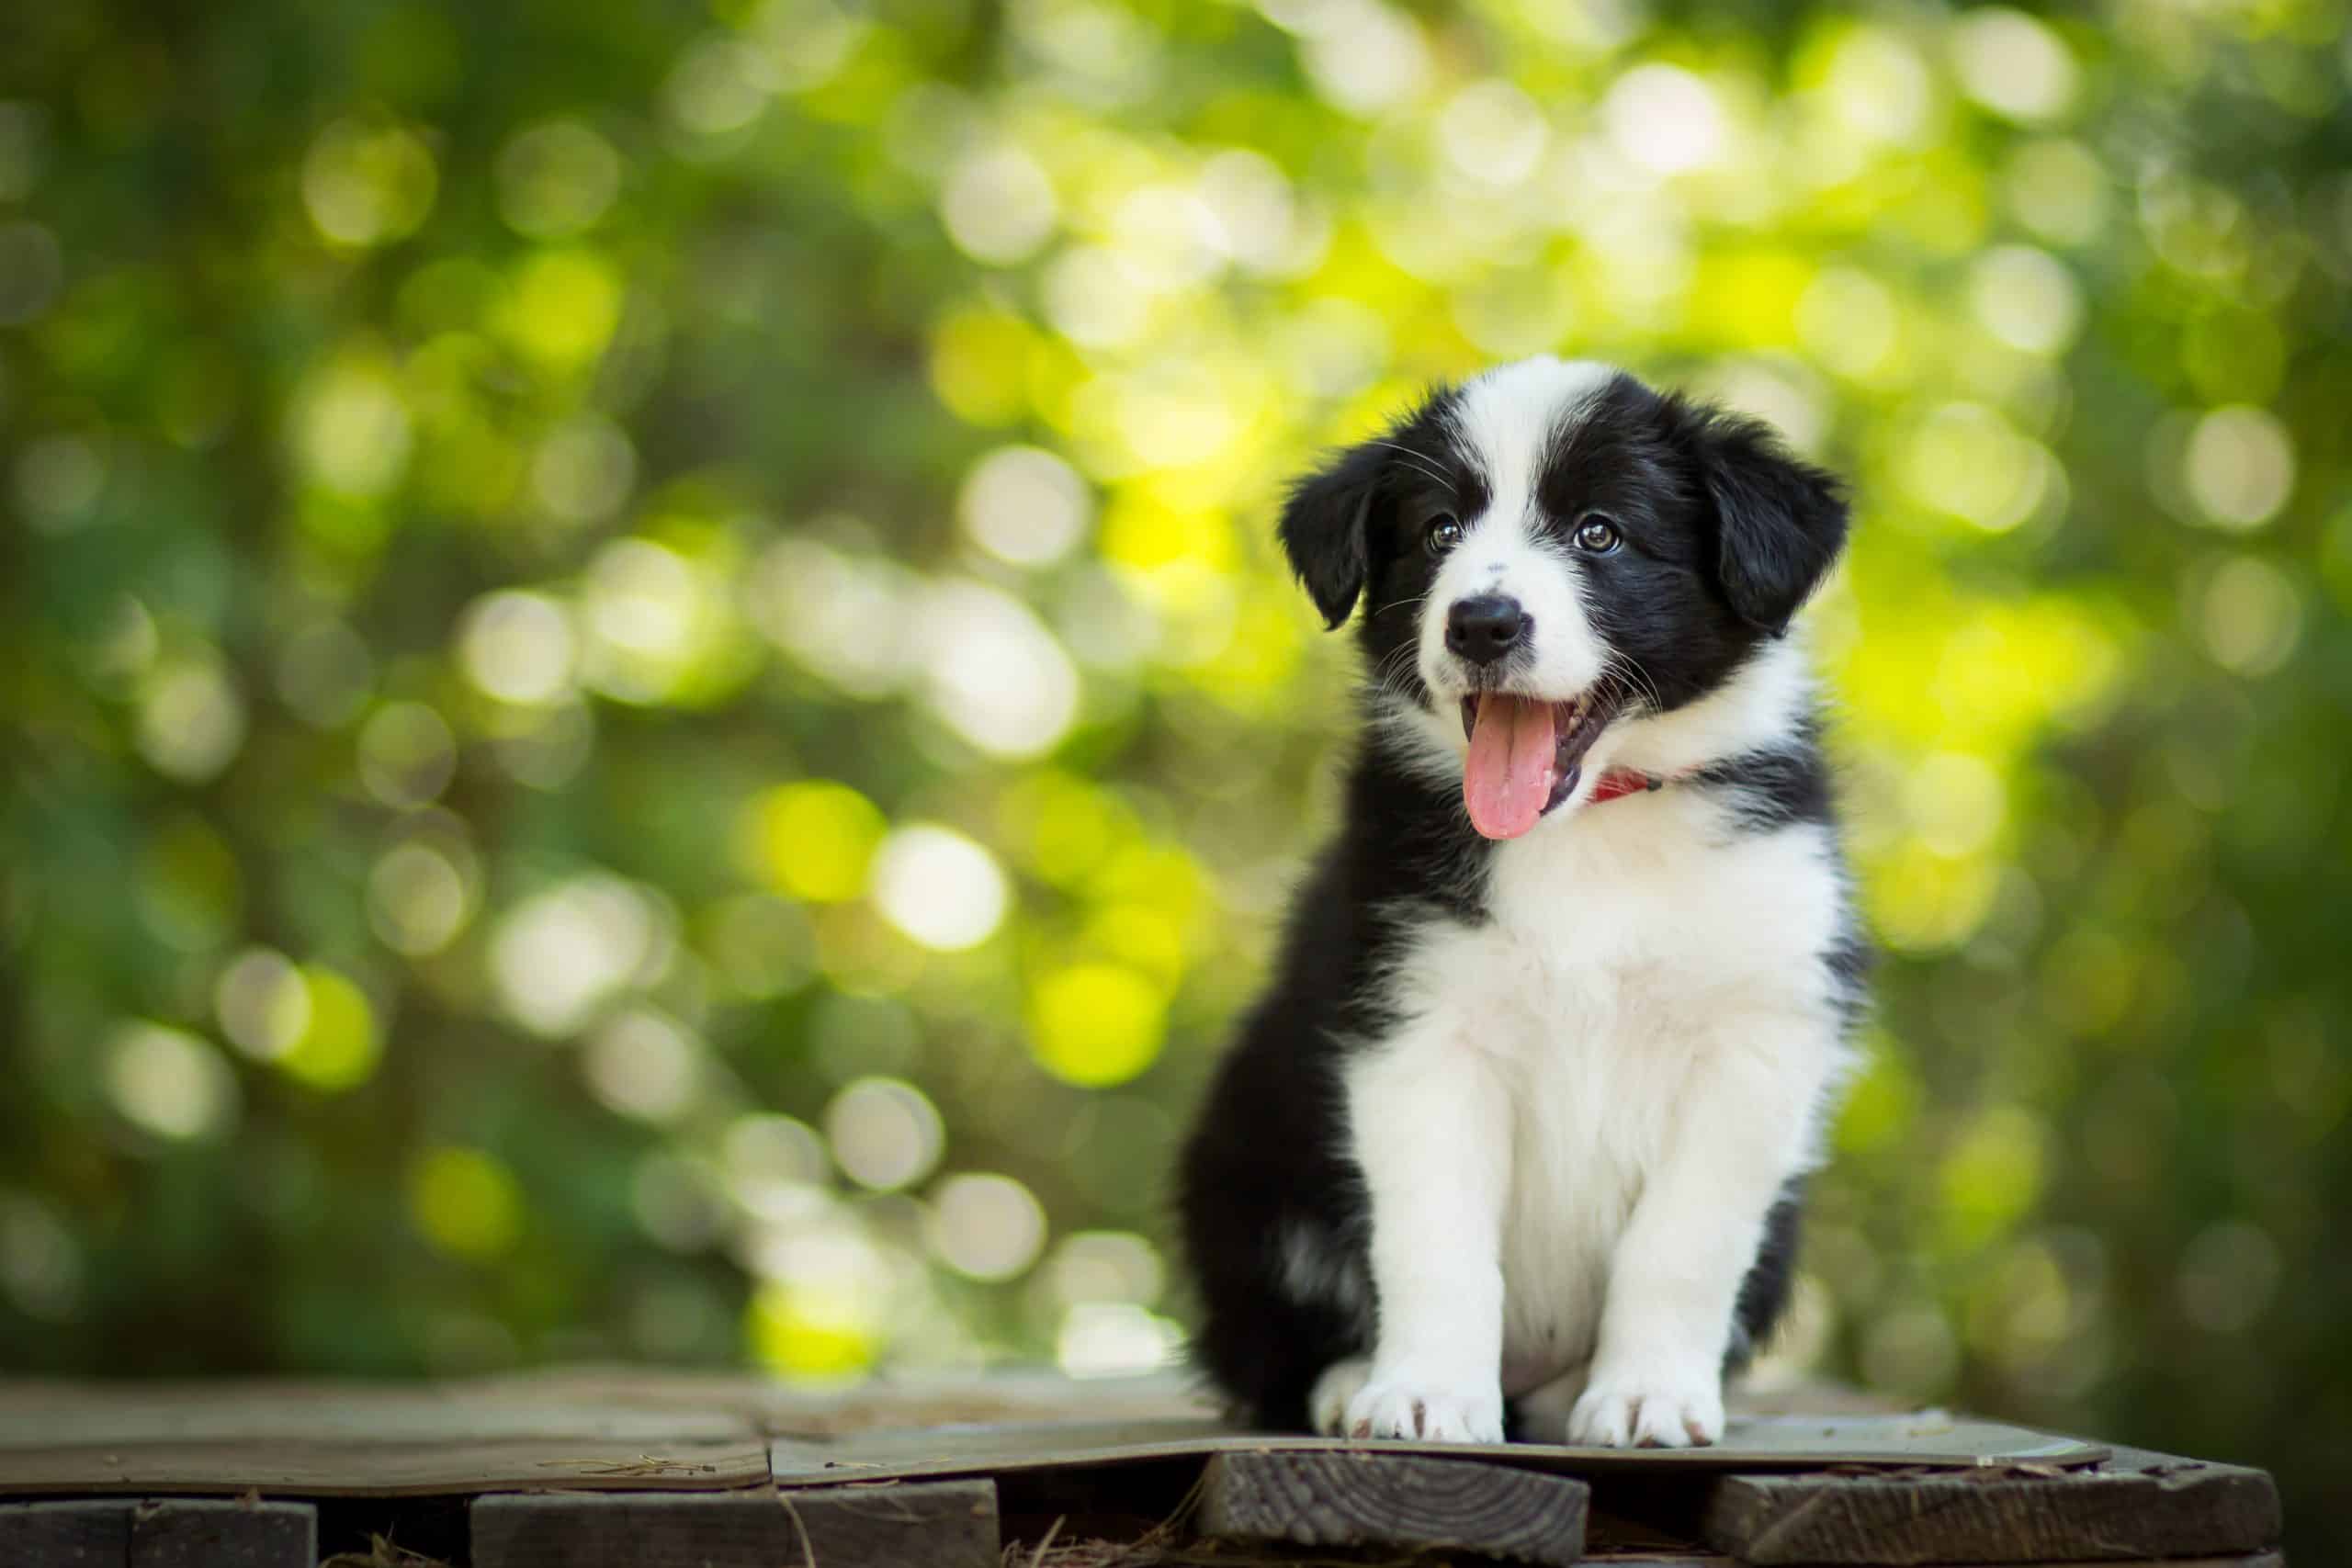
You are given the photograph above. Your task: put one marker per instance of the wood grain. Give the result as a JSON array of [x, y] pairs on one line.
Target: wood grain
[[2138, 1506], [208, 1533], [1405, 1501], [950, 1524], [65, 1535]]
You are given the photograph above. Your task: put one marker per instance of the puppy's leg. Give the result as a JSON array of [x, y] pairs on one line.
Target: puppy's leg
[[1430, 1128], [1744, 1125]]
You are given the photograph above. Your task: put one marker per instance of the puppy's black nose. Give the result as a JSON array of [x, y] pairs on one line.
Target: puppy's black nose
[[1483, 629]]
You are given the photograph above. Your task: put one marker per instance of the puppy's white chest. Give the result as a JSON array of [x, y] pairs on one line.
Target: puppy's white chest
[[1589, 1069], [1598, 992]]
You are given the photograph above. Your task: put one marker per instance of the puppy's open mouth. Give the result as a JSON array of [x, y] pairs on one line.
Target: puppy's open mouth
[[1526, 755]]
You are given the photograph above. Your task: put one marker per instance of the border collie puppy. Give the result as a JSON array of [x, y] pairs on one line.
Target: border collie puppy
[[1520, 1124]]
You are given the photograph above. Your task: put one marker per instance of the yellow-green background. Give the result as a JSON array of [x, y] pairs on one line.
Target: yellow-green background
[[649, 713]]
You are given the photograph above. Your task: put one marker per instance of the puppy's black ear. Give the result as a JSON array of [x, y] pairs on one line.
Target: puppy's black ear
[[1325, 530], [1779, 522]]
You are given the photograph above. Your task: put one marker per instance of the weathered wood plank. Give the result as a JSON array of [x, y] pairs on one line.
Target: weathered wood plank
[[2253, 1559], [951, 1524], [1363, 1498], [65, 1535], [1762, 1443], [2139, 1506], [210, 1532], [324, 1440], [316, 1469], [619, 1430], [1716, 1559]]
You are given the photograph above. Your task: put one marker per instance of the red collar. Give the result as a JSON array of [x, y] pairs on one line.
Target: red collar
[[1619, 781]]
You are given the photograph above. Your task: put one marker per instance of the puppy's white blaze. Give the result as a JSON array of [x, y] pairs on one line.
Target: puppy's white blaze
[[1505, 423]]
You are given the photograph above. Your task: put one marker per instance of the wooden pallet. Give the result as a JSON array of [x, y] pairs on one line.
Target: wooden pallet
[[640, 1470]]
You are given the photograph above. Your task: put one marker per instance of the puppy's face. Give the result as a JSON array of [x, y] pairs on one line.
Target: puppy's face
[[1552, 550]]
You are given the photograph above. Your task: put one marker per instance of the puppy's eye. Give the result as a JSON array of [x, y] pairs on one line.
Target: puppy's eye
[[1443, 533], [1597, 534]]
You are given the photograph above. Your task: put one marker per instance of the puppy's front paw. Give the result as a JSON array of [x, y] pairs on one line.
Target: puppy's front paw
[[1326, 1407], [1423, 1410], [1658, 1405]]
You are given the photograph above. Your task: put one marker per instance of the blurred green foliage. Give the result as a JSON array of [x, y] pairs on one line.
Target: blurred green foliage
[[649, 712]]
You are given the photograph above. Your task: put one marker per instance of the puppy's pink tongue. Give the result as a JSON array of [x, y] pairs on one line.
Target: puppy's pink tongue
[[1509, 776]]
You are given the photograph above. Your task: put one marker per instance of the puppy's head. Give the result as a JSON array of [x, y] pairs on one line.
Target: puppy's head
[[1552, 549]]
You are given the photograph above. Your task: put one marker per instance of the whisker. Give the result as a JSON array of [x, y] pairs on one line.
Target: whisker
[[1418, 462], [1620, 666], [1398, 446], [1393, 667], [1645, 685], [1391, 663]]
